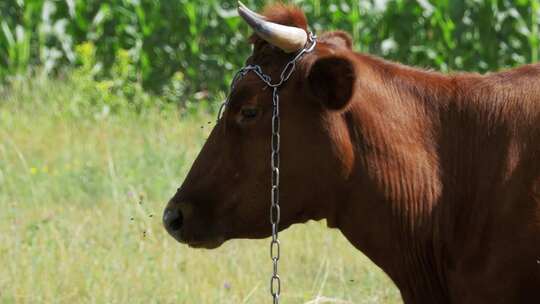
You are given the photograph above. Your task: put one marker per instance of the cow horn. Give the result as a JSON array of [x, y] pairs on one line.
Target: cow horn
[[288, 38]]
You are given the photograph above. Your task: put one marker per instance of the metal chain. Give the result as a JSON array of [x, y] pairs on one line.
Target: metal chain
[[275, 213]]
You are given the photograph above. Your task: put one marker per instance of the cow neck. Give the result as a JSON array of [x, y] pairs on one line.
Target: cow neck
[[396, 168]]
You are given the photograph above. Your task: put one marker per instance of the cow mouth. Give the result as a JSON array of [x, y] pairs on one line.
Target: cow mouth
[[197, 241], [206, 244]]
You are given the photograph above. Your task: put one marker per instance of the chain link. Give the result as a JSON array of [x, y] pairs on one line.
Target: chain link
[[275, 213]]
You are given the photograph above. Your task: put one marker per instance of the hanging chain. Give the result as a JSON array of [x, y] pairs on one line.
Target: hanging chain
[[275, 213], [275, 282]]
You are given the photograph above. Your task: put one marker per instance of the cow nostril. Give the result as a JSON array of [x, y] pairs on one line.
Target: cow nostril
[[176, 224], [173, 219]]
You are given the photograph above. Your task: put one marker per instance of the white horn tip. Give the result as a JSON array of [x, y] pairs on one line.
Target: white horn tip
[[244, 10], [288, 38]]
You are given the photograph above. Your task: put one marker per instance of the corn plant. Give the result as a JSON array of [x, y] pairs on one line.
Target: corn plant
[[200, 43]]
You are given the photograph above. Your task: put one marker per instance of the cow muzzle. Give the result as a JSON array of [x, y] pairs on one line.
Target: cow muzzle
[[173, 220], [186, 228]]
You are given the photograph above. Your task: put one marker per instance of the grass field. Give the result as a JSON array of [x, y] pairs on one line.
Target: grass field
[[81, 198]]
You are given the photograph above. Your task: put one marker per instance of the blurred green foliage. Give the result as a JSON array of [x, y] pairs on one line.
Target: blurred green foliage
[[181, 47]]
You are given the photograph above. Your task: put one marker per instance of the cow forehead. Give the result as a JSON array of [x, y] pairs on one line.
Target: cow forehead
[[247, 83], [246, 88]]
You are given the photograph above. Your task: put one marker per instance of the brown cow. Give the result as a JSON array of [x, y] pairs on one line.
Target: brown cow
[[436, 178]]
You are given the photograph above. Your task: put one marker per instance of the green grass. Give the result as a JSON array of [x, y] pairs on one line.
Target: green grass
[[81, 196]]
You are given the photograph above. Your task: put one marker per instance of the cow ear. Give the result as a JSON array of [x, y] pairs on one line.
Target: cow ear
[[331, 80]]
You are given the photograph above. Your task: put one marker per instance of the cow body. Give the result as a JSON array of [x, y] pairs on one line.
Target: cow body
[[436, 178], [451, 165]]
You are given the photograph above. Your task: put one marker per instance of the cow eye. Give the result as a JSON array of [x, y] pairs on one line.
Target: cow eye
[[249, 113]]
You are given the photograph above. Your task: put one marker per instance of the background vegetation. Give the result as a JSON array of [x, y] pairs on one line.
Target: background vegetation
[[104, 104], [187, 46]]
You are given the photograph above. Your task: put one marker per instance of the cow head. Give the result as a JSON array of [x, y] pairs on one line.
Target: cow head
[[227, 192]]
